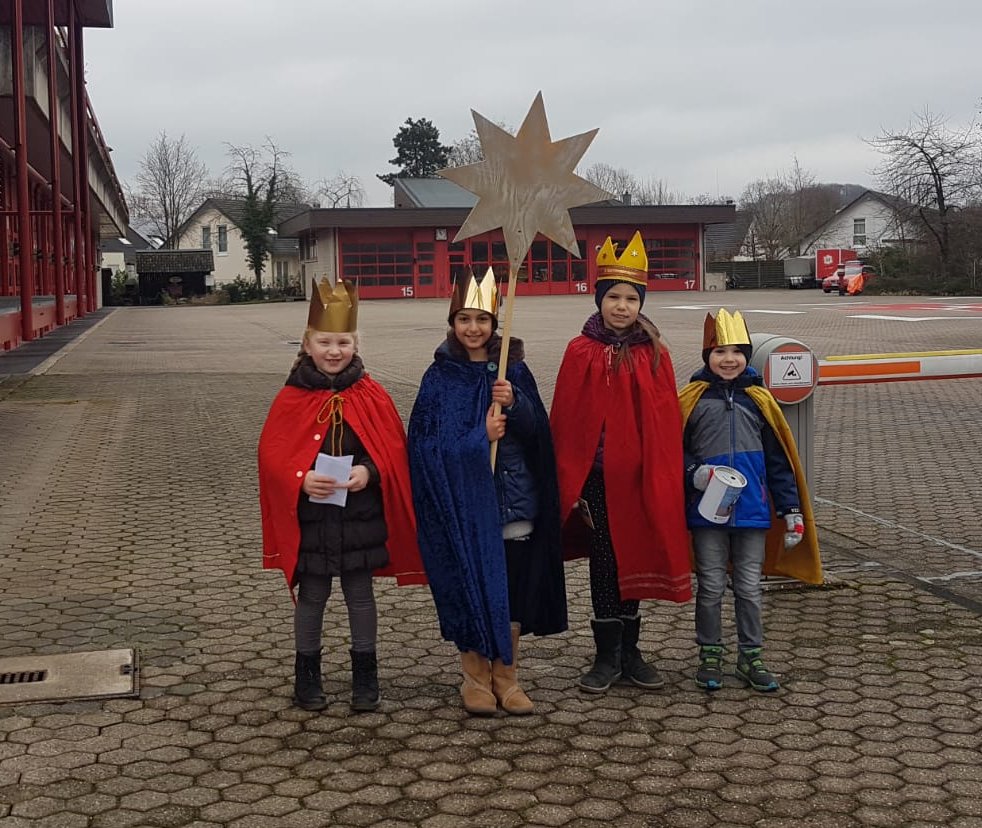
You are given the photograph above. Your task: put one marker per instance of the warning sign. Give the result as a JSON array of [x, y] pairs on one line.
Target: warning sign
[[791, 370]]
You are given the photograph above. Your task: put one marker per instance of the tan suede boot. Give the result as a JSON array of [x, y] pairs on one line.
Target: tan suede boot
[[504, 681], [476, 688]]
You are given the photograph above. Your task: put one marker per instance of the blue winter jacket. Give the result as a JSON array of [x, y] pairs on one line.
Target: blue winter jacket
[[726, 428], [517, 494]]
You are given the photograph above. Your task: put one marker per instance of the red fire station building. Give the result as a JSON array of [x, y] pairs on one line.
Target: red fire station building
[[408, 250], [58, 189]]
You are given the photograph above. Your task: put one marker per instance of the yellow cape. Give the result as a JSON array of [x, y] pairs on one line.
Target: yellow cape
[[803, 561]]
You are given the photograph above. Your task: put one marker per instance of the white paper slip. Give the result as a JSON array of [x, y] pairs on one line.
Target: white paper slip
[[340, 469]]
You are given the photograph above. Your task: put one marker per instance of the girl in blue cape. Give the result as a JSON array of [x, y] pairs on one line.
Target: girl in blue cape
[[489, 539]]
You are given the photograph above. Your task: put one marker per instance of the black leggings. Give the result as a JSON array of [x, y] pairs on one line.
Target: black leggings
[[605, 594], [359, 597]]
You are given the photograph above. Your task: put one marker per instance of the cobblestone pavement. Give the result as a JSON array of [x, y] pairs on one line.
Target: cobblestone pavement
[[129, 519]]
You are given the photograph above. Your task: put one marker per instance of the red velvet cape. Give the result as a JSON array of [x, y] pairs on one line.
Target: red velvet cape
[[643, 467], [290, 440]]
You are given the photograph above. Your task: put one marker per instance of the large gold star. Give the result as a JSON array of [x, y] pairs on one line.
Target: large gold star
[[526, 184]]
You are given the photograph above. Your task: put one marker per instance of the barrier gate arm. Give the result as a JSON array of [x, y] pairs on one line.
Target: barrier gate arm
[[925, 365]]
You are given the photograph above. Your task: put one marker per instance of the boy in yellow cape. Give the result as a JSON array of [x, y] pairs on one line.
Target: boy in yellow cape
[[731, 420]]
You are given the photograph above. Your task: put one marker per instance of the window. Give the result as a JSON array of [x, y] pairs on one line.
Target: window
[[308, 247], [206, 237], [424, 262], [282, 271], [859, 232], [377, 264], [223, 238], [670, 258], [548, 262]]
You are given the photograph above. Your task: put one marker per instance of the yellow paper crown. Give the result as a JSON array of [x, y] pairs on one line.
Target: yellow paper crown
[[725, 329], [631, 266], [333, 309], [474, 295]]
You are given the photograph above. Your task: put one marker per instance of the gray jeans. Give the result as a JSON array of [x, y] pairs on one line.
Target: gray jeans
[[715, 549]]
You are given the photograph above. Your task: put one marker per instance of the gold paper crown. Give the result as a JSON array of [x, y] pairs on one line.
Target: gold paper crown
[[474, 295], [725, 329], [333, 309], [631, 266]]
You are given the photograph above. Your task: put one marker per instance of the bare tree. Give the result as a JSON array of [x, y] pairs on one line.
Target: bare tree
[[656, 191], [465, 151], [468, 150], [766, 200], [264, 182], [168, 187], [616, 181], [341, 190], [935, 169], [625, 185]]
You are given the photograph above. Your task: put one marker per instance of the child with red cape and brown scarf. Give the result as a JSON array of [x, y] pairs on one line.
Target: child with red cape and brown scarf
[[330, 406], [618, 437]]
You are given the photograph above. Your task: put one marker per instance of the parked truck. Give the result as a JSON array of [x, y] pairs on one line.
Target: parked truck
[[827, 259], [799, 272]]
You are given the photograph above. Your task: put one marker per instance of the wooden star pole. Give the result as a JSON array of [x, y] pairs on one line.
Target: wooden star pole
[[525, 185]]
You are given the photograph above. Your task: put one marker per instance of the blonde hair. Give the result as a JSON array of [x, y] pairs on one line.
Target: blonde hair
[[308, 332]]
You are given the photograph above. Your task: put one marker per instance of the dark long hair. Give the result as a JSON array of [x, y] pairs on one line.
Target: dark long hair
[[651, 331]]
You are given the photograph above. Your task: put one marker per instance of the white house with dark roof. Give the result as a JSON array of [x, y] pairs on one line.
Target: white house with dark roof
[[869, 221], [215, 226]]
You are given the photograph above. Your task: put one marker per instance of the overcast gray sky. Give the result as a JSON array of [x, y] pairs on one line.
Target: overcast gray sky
[[706, 95]]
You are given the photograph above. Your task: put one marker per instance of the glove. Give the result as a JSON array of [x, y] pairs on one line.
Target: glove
[[796, 530], [701, 476]]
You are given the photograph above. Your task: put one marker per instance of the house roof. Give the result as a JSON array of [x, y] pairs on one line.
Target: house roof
[[128, 245], [723, 241], [893, 203], [234, 208], [175, 261], [430, 192], [287, 246], [379, 217], [441, 192]]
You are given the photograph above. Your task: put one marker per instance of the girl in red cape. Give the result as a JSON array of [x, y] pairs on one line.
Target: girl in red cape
[[330, 406], [618, 436]]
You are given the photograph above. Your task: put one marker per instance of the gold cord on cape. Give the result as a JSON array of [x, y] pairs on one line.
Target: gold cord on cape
[[331, 412]]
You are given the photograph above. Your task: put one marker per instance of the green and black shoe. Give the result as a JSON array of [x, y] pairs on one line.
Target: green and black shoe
[[709, 676], [751, 671]]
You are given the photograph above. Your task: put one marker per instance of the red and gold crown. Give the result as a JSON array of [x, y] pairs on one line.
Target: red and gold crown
[[469, 293], [724, 329], [631, 266], [333, 309]]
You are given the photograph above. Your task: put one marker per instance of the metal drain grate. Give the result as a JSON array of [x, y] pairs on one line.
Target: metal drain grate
[[68, 676], [23, 677]]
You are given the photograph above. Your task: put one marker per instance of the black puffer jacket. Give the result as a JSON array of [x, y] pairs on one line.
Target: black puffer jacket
[[335, 539]]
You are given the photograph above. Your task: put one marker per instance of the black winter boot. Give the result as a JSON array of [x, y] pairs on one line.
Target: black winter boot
[[633, 666], [607, 665], [308, 693], [364, 681]]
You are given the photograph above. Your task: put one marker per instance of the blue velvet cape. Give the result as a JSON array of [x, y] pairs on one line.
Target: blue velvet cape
[[457, 514]]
